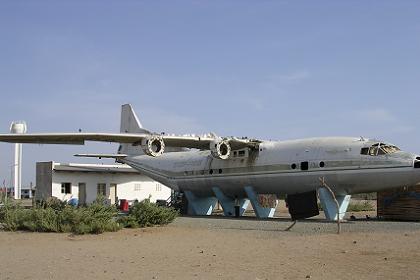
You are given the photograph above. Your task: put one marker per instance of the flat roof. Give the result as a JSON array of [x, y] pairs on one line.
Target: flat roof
[[102, 168]]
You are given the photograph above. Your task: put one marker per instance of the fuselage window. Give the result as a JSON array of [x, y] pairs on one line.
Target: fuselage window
[[364, 151], [304, 165], [390, 149], [294, 166], [321, 164]]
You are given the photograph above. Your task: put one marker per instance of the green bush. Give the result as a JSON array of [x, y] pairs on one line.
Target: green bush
[[146, 214], [40, 219], [95, 218], [2, 196], [98, 217], [53, 203], [12, 216], [128, 221], [51, 216]]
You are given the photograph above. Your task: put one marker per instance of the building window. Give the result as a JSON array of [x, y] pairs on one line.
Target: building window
[[137, 187], [66, 188], [158, 187], [101, 190]]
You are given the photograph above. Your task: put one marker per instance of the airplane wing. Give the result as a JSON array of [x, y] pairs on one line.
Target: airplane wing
[[203, 143], [71, 138], [196, 142], [101, 156]]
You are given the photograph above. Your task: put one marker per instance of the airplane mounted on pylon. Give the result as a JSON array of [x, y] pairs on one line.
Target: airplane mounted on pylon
[[235, 171]]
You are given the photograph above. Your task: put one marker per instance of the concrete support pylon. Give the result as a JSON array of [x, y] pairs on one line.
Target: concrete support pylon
[[200, 205], [329, 206], [260, 212], [228, 203]]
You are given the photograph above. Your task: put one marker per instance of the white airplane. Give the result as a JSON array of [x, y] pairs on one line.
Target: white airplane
[[237, 171]]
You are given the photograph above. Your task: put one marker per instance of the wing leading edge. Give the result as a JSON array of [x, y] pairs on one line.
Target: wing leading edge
[[196, 142]]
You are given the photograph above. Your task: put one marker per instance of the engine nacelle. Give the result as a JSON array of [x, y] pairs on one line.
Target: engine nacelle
[[220, 149], [153, 146]]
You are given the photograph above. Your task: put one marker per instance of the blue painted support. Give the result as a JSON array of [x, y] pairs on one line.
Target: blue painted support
[[200, 205], [260, 212], [329, 206], [228, 203]]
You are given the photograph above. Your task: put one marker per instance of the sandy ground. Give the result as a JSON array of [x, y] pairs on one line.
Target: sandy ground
[[219, 248]]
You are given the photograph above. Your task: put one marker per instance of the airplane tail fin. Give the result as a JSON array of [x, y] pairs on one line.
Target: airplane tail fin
[[130, 123]]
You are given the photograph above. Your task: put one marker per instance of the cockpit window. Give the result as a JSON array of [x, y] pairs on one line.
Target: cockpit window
[[379, 149], [390, 149]]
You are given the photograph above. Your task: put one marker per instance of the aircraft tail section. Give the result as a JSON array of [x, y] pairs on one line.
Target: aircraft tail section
[[130, 123]]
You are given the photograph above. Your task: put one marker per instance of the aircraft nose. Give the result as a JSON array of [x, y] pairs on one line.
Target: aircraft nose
[[417, 162]]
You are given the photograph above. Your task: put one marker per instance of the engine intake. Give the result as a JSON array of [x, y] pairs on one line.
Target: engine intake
[[220, 149], [153, 146]]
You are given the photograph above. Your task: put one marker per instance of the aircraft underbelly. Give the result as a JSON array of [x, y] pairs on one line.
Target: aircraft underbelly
[[343, 182], [199, 173]]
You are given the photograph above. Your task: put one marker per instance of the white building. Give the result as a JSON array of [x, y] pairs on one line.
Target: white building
[[86, 181]]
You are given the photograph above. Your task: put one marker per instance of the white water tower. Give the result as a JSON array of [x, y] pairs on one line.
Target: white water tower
[[18, 127]]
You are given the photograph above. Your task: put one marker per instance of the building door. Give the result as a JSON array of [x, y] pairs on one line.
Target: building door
[[82, 193], [113, 193]]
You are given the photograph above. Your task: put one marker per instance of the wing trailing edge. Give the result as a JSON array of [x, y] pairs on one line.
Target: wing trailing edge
[[100, 156]]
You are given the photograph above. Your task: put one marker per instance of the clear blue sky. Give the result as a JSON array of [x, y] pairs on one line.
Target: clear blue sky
[[266, 69]]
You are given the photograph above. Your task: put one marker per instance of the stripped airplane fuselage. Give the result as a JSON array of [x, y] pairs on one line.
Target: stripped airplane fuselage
[[284, 167], [237, 171]]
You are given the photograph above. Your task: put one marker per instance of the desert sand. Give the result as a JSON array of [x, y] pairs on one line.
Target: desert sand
[[219, 248]]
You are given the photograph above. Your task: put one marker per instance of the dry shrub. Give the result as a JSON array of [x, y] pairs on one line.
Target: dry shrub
[[51, 216], [147, 214]]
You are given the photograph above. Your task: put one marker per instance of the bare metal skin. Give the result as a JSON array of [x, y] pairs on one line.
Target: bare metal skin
[[276, 168], [200, 163]]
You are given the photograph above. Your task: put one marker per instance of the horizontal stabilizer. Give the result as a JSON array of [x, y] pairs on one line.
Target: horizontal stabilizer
[[116, 156]]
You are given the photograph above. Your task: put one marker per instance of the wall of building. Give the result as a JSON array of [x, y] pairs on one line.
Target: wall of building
[[130, 186], [43, 180]]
